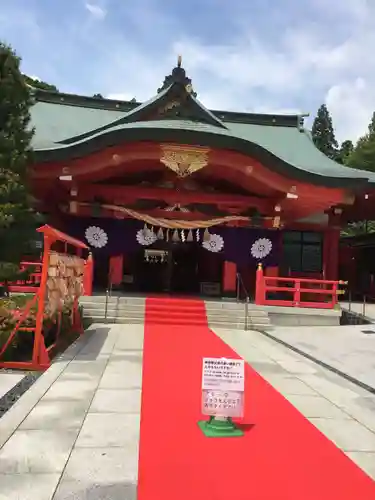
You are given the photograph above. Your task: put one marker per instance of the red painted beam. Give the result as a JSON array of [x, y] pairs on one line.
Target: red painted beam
[[172, 196], [141, 156], [162, 214]]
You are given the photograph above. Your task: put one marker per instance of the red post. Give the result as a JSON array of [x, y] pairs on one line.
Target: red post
[[297, 293], [88, 275], [38, 339], [260, 291], [229, 278], [116, 269], [334, 294], [331, 253]]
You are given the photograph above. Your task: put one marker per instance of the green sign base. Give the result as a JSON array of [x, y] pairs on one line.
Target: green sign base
[[219, 428]]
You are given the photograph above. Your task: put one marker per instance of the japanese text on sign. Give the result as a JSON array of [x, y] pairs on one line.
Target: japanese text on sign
[[223, 374], [221, 403]]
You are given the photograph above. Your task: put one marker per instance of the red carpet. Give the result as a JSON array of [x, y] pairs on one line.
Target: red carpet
[[281, 457], [181, 312]]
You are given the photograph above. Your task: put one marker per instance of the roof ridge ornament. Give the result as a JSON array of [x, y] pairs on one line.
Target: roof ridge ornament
[[178, 76]]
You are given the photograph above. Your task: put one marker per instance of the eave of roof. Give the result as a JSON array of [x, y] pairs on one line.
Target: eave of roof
[[271, 145], [80, 101], [70, 126]]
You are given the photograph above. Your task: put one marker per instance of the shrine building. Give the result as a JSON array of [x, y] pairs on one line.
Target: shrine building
[[175, 198]]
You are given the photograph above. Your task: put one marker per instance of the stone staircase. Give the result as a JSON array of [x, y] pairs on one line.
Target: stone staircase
[[120, 309], [231, 315], [129, 309]]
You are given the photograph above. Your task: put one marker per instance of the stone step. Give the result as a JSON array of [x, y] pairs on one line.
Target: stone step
[[258, 316], [113, 299], [122, 309], [101, 299], [131, 310], [224, 325], [116, 319], [221, 321]]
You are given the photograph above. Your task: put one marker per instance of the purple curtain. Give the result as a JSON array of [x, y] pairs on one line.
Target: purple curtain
[[244, 246], [249, 246]]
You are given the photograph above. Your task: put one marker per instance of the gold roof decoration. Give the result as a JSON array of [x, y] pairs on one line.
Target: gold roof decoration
[[184, 160]]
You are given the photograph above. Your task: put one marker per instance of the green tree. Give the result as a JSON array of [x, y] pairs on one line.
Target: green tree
[[98, 96], [39, 84], [358, 228], [17, 219], [323, 133], [363, 155], [343, 154]]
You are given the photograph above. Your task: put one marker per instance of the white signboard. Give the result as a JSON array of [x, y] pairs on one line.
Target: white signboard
[[223, 385], [223, 374], [222, 404]]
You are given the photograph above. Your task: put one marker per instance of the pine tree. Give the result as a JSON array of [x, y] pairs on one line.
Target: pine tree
[[323, 133], [363, 155], [17, 219], [39, 84], [343, 154]]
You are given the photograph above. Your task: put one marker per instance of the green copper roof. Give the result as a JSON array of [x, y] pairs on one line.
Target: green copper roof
[[56, 122], [288, 144], [73, 126]]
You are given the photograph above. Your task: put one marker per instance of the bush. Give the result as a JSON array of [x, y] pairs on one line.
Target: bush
[[11, 310]]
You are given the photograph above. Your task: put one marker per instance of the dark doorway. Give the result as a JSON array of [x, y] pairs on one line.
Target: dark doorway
[[185, 268], [101, 272], [178, 268], [151, 272], [176, 271]]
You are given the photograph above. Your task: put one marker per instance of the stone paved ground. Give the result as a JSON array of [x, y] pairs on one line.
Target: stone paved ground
[[346, 348], [366, 309], [8, 381], [344, 412], [74, 434], [81, 438]]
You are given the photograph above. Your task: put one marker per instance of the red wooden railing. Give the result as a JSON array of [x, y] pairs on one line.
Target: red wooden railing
[[301, 292], [31, 284], [40, 359]]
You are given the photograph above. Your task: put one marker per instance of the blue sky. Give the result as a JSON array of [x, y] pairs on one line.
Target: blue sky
[[245, 55]]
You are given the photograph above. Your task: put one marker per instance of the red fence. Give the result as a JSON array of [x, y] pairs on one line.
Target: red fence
[[31, 284], [54, 273], [296, 292]]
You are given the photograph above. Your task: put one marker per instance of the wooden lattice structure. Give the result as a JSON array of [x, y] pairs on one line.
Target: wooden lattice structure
[[64, 278]]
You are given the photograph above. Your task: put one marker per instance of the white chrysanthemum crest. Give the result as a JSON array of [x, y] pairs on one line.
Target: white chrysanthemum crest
[[261, 248], [96, 236], [146, 237], [215, 243]]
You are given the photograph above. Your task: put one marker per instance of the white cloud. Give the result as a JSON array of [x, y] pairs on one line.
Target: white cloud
[[95, 10], [120, 97], [323, 54], [352, 104]]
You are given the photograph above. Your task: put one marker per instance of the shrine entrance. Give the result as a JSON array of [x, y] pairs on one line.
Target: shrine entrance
[[176, 268], [185, 267]]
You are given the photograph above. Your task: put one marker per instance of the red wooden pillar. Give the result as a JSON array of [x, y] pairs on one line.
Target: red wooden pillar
[[116, 266], [331, 253], [229, 278], [260, 293], [88, 276]]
